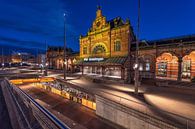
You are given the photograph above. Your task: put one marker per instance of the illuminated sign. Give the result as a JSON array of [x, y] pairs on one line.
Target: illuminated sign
[[93, 59]]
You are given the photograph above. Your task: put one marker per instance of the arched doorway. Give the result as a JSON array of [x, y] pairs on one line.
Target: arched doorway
[[99, 50], [167, 66], [188, 66]]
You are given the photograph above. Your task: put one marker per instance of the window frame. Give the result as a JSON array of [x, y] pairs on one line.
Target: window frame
[[117, 46], [84, 50]]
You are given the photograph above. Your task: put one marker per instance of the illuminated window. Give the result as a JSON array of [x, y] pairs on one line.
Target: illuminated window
[[186, 66], [162, 69], [186, 69], [140, 67], [117, 46], [147, 66], [99, 49], [85, 50]]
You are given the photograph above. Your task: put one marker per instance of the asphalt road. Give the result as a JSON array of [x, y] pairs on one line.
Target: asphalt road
[[71, 113]]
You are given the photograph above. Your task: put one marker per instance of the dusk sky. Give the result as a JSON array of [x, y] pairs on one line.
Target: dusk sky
[[28, 23]]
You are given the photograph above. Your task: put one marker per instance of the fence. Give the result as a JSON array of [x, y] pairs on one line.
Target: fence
[[43, 116]]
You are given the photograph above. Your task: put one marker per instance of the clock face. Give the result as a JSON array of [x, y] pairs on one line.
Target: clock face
[[98, 24]]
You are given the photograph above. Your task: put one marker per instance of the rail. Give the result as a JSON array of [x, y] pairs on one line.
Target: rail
[[47, 119]]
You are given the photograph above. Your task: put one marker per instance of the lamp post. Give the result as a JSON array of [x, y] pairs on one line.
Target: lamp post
[[10, 64], [46, 55], [2, 56], [46, 69], [137, 50], [41, 68], [64, 47], [3, 66]]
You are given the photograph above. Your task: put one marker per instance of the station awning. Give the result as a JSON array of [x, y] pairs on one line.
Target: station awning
[[105, 61]]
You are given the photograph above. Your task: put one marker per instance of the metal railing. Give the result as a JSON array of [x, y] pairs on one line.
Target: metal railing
[[46, 119]]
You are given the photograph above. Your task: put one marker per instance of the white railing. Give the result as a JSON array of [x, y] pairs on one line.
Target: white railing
[[46, 119]]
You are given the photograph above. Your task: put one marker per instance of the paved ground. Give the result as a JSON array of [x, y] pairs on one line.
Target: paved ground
[[69, 112], [167, 99], [174, 100], [177, 101], [4, 116]]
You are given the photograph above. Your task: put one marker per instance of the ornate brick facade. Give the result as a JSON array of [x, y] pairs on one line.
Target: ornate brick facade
[[171, 58], [102, 37]]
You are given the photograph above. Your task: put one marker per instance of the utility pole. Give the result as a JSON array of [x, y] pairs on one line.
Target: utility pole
[[136, 67], [2, 59], [46, 61], [64, 47]]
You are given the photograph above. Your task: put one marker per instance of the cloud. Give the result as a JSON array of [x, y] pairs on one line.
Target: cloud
[[32, 21], [23, 43], [7, 24]]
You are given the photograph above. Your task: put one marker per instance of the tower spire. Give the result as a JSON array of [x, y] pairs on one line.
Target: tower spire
[[99, 11], [98, 7]]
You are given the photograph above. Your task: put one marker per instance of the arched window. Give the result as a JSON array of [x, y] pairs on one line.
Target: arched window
[[117, 46], [147, 64], [84, 50], [99, 49]]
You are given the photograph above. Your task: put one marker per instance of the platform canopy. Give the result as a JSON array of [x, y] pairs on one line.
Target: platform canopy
[[101, 61]]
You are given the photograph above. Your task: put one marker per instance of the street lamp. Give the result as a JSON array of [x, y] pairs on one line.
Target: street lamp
[[41, 68], [64, 46], [3, 65], [136, 53], [2, 57], [46, 66], [10, 64]]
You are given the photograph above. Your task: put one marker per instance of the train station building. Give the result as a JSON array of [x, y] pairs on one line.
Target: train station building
[[105, 47], [108, 50]]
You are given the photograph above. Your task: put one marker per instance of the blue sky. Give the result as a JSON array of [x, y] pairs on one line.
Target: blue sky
[[29, 23]]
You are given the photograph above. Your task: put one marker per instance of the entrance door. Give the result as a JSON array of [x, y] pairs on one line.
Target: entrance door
[[186, 69]]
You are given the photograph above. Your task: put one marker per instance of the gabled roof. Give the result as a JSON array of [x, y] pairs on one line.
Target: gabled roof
[[59, 48], [116, 22]]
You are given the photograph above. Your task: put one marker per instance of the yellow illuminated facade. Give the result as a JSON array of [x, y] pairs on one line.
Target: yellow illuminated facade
[[108, 50], [106, 38]]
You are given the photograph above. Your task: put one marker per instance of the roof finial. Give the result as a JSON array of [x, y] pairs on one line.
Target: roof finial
[[99, 11], [98, 7]]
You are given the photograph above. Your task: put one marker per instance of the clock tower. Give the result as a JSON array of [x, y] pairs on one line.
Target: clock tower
[[100, 20]]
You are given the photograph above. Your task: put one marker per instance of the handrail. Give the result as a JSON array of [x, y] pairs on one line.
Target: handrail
[[51, 117]]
